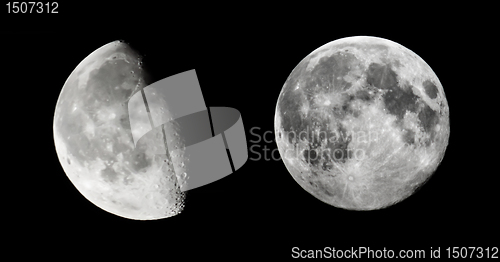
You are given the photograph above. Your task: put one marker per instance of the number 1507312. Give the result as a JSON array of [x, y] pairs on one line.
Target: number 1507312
[[32, 7], [472, 252]]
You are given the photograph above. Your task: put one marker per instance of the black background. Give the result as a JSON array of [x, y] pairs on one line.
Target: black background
[[242, 59]]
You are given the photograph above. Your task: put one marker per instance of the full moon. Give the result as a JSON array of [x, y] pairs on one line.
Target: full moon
[[361, 123], [94, 141]]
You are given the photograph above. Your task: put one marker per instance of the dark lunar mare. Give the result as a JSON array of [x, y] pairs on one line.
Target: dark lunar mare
[[399, 98], [428, 119], [330, 71], [323, 145], [409, 136], [430, 89]]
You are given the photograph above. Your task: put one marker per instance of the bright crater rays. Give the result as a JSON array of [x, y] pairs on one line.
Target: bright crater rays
[[361, 123]]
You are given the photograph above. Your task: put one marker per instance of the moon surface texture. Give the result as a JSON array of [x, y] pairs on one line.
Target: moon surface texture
[[361, 123], [94, 142]]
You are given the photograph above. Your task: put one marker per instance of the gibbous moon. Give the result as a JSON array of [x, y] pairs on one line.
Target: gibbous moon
[[94, 143], [362, 122]]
